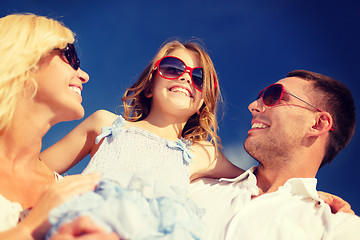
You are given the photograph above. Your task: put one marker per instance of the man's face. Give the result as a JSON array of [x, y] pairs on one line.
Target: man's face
[[277, 131]]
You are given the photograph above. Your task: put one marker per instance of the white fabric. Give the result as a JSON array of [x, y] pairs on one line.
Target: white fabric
[[132, 151], [10, 212], [294, 211]]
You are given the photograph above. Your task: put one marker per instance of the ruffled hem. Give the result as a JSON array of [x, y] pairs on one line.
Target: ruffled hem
[[140, 211]]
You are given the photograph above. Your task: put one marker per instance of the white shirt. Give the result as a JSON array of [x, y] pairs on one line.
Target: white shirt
[[294, 211]]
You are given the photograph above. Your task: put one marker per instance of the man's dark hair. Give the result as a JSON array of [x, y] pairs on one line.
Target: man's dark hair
[[335, 98]]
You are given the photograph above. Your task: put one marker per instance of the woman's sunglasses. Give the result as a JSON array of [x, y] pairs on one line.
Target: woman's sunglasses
[[71, 56], [172, 68], [273, 94]]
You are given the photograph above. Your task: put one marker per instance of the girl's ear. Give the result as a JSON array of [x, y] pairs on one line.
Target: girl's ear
[[323, 124], [148, 92]]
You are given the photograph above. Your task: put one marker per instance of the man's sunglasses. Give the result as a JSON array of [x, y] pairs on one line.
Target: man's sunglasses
[[71, 56], [172, 68], [273, 94]]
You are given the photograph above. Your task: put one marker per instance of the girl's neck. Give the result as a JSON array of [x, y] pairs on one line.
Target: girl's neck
[[166, 127]]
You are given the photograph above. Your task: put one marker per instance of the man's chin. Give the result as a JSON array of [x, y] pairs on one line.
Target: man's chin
[[250, 148]]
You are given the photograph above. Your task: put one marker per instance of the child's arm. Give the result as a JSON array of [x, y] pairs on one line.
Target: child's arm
[[76, 145], [337, 204], [211, 163]]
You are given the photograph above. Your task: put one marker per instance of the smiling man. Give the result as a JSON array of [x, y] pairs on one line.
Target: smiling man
[[299, 124]]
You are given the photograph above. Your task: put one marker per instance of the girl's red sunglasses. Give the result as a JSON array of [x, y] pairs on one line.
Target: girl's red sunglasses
[[171, 68]]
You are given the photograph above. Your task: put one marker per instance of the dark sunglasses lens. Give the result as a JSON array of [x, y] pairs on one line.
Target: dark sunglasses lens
[[197, 77], [171, 67], [272, 95], [260, 94], [71, 56]]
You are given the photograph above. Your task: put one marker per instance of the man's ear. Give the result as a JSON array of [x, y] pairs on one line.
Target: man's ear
[[323, 124]]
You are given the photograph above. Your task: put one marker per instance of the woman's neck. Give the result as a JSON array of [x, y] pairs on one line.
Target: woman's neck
[[20, 144], [23, 140]]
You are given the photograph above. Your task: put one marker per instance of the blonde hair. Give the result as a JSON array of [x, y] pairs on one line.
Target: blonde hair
[[24, 39], [199, 127]]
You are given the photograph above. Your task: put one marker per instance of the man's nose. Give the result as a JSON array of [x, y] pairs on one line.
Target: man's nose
[[256, 106]]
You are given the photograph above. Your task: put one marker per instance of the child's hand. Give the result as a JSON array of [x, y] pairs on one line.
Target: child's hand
[[336, 203], [82, 228]]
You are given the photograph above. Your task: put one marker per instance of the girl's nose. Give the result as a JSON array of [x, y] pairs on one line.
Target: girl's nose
[[186, 76]]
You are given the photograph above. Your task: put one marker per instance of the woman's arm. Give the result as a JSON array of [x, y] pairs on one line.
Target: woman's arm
[[35, 225], [76, 145], [211, 163]]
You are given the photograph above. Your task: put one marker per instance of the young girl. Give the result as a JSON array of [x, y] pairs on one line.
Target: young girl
[[167, 140]]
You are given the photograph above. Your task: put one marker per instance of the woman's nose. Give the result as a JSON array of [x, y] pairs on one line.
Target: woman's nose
[[83, 76]]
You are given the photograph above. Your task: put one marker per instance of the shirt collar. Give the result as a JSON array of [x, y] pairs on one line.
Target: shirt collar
[[305, 187], [247, 181], [246, 175]]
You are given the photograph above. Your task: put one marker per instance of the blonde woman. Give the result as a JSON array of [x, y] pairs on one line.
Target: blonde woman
[[40, 85]]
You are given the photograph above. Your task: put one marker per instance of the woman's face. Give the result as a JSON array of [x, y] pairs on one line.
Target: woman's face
[[59, 87]]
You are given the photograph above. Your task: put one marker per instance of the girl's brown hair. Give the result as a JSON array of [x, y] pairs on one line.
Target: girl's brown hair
[[199, 127]]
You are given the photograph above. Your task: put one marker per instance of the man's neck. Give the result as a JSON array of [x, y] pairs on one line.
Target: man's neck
[[270, 179]]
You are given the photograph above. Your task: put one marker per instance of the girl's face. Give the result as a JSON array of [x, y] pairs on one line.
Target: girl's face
[[178, 96], [59, 87]]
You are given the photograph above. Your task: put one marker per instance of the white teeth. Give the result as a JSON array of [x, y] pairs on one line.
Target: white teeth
[[258, 125], [182, 90], [76, 89]]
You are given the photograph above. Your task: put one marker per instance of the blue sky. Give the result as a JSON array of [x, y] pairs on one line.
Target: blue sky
[[252, 44]]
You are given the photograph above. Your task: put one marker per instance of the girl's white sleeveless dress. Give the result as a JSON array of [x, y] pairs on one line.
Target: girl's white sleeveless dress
[[143, 194]]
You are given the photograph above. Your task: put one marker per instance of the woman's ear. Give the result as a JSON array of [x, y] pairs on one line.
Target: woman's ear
[[323, 123], [30, 87]]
